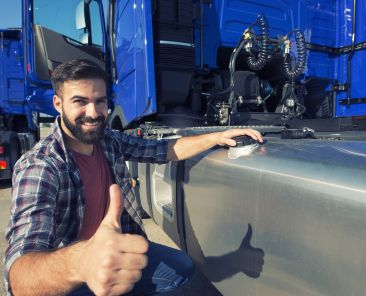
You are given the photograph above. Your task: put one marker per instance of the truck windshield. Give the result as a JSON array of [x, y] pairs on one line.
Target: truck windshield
[[59, 16]]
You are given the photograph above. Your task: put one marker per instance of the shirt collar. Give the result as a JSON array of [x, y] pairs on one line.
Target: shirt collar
[[59, 137]]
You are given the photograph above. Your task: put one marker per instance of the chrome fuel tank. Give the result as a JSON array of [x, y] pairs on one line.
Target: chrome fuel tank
[[288, 219]]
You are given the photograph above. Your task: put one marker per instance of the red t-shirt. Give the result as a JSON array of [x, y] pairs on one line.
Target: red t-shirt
[[96, 177]]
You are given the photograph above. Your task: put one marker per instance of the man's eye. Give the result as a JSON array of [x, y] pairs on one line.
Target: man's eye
[[102, 101]]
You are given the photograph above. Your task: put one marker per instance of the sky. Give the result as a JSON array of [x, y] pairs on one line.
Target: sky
[[10, 14]]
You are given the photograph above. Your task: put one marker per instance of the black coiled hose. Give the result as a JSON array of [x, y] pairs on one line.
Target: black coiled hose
[[294, 72], [264, 54]]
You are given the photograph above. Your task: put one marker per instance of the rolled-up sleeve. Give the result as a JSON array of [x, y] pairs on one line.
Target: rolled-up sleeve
[[144, 150], [33, 208]]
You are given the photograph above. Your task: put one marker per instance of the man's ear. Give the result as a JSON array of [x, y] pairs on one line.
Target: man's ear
[[57, 103]]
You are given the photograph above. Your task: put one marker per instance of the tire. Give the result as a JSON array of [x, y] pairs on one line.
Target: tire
[[14, 150]]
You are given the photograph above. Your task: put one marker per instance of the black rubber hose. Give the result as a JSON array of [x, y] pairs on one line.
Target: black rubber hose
[[263, 55], [294, 72], [233, 57]]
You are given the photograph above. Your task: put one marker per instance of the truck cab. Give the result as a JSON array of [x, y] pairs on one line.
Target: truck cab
[[234, 64]]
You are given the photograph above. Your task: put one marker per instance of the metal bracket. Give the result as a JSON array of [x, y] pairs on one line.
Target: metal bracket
[[340, 87], [352, 101]]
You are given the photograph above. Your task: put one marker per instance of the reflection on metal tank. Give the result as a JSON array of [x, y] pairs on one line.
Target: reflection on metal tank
[[285, 220]]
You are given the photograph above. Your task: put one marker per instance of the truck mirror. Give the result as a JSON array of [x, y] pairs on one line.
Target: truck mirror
[[84, 38], [80, 16]]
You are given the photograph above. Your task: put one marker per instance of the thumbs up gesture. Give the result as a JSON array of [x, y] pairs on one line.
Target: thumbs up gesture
[[251, 257], [112, 262], [113, 216]]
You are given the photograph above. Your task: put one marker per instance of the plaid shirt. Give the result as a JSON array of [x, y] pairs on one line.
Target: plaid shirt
[[48, 199]]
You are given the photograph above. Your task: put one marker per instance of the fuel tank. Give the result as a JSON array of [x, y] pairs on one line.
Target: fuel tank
[[287, 219]]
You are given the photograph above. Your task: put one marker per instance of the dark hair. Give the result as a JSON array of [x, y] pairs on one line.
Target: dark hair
[[76, 70]]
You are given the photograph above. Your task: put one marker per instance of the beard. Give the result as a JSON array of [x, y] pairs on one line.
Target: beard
[[90, 137]]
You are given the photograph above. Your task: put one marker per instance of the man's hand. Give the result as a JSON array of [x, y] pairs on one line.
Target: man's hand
[[187, 147], [225, 137], [112, 262]]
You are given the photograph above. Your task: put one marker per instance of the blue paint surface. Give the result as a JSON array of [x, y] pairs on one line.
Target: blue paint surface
[[12, 91], [358, 77]]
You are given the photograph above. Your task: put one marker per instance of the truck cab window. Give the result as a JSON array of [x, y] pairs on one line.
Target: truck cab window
[[59, 16]]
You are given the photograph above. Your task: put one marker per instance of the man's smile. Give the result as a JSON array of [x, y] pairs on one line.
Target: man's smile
[[91, 124]]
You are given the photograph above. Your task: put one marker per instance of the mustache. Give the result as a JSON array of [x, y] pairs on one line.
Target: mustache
[[86, 119]]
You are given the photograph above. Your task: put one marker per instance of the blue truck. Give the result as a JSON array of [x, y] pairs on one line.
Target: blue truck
[[192, 42], [286, 218], [19, 123]]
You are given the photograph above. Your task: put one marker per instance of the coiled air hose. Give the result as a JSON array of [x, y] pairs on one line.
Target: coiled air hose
[[292, 72], [257, 63], [254, 63]]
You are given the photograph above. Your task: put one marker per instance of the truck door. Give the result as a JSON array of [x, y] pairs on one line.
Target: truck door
[[57, 31], [132, 45]]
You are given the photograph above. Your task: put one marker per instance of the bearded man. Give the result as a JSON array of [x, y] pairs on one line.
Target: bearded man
[[75, 227]]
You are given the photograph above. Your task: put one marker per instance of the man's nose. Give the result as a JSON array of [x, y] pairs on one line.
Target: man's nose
[[92, 110]]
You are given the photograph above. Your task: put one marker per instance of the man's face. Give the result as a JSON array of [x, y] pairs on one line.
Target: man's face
[[84, 109]]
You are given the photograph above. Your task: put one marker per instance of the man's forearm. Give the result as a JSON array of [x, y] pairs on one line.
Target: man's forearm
[[46, 273], [187, 147]]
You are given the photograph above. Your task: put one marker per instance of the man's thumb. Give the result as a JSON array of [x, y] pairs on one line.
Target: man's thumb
[[113, 216]]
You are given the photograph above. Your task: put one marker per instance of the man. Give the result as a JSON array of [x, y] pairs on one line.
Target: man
[[66, 236]]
